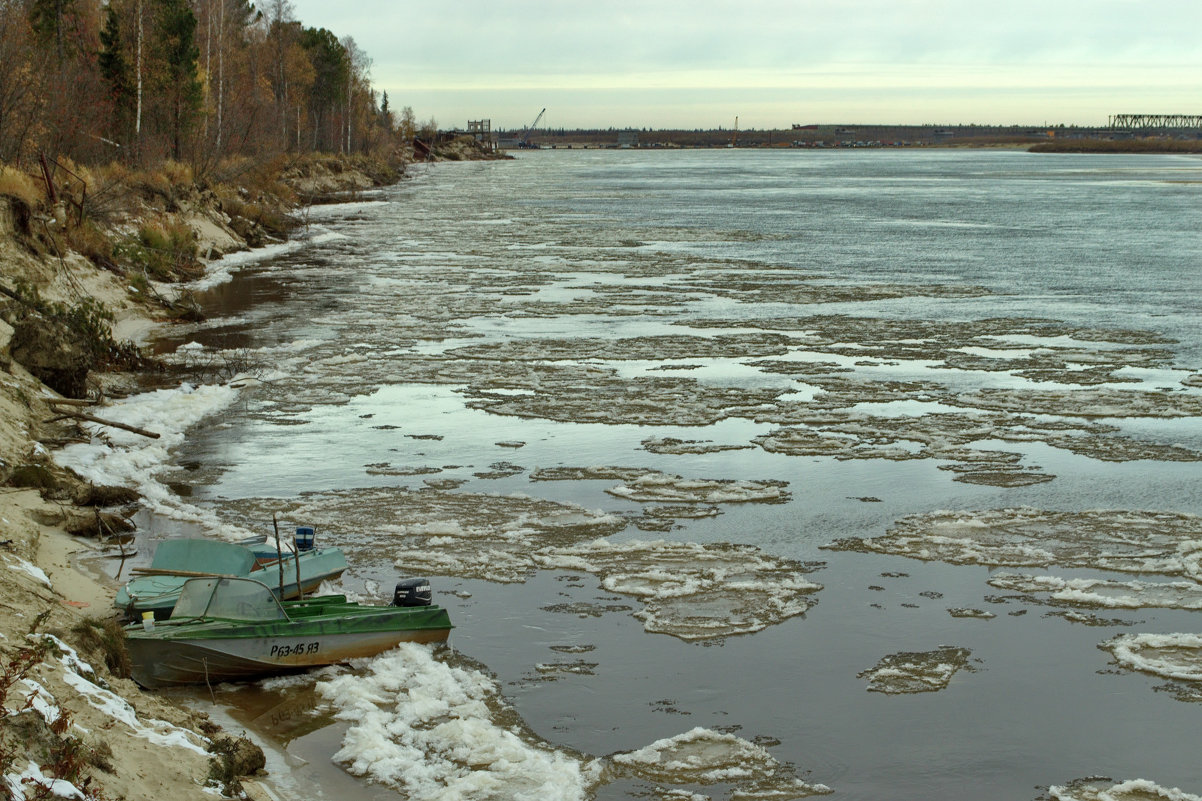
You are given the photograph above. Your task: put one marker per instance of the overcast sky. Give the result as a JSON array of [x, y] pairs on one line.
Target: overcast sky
[[771, 63]]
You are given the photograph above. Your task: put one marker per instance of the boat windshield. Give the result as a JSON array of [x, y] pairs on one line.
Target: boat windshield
[[230, 598]]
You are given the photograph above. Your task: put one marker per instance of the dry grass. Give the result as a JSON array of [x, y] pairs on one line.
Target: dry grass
[[104, 636], [21, 186], [91, 243]]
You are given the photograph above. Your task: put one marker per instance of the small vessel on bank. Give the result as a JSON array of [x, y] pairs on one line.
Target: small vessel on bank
[[230, 629], [289, 574]]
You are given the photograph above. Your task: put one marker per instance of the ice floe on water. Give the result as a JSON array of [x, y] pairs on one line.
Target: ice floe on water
[[706, 757], [572, 394], [884, 337], [674, 446], [673, 497], [663, 488], [659, 348], [1172, 656], [1088, 403], [816, 377], [1130, 790], [1128, 541], [693, 591], [1139, 542], [1104, 593], [917, 671], [434, 726], [951, 437]]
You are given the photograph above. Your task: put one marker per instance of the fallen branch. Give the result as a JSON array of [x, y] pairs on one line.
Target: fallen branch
[[71, 401], [63, 415]]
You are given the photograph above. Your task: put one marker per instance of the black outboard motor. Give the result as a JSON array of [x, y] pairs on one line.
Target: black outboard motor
[[305, 538], [412, 592]]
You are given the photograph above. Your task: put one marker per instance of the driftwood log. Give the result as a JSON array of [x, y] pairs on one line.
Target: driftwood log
[[63, 414]]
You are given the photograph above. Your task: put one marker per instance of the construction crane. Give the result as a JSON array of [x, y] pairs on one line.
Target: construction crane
[[524, 139]]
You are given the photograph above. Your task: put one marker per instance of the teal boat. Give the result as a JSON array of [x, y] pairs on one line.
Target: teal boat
[[232, 629], [156, 588]]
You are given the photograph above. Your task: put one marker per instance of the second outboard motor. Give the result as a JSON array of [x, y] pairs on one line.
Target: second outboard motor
[[412, 592], [305, 538]]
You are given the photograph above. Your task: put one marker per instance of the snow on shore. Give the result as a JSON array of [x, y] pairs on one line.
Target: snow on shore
[[118, 457]]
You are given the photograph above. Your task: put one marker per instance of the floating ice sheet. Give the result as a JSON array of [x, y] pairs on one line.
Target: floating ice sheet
[[1104, 593], [917, 672], [706, 757], [664, 488], [1120, 540], [1173, 656], [1088, 403], [693, 591], [1131, 790]]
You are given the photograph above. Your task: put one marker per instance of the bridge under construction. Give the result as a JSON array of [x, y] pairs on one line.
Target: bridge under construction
[[1156, 121]]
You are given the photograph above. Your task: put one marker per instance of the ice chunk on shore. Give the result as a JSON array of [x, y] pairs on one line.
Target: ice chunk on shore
[[433, 731], [433, 726], [118, 457], [17, 563]]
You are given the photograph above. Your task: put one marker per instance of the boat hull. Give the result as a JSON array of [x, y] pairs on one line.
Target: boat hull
[[249, 652]]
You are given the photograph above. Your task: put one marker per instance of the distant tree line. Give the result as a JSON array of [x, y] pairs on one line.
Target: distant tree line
[[191, 80]]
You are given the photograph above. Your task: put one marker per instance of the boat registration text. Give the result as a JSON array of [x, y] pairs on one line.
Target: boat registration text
[[295, 648]]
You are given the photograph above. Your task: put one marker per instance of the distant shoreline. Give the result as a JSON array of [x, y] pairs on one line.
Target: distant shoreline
[[1119, 146], [1040, 140]]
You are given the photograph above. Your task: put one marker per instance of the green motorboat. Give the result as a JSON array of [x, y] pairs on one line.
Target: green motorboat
[[156, 588], [230, 629]]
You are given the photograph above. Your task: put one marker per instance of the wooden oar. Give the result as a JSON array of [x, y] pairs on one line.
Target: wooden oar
[[162, 571]]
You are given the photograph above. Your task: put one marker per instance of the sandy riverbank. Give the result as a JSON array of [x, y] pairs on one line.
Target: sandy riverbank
[[70, 716]]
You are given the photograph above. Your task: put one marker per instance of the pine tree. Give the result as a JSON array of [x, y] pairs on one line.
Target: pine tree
[[179, 81], [331, 72], [49, 20], [386, 116], [116, 72]]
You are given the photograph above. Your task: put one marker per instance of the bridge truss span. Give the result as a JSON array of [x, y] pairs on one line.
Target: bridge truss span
[[1156, 121]]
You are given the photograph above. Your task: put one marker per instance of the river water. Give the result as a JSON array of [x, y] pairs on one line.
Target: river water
[[743, 474]]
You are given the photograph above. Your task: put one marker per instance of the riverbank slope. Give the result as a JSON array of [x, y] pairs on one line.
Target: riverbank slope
[[88, 271]]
